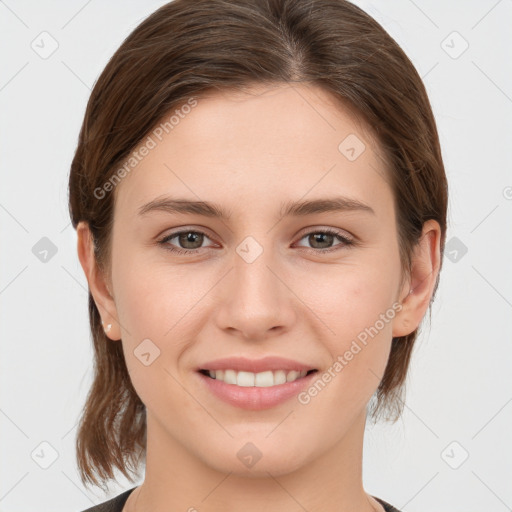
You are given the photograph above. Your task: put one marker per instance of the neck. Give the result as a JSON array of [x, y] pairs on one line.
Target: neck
[[175, 479]]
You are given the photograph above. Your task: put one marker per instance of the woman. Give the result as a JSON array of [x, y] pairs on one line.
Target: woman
[[260, 203]]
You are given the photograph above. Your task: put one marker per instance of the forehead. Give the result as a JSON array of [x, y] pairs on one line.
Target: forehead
[[267, 145]]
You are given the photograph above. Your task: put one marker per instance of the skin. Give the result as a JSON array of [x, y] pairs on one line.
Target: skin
[[249, 153]]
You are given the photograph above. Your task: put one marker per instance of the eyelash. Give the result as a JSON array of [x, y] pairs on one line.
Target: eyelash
[[346, 242]]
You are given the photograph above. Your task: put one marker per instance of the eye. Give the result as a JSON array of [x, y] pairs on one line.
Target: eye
[[190, 241], [322, 240]]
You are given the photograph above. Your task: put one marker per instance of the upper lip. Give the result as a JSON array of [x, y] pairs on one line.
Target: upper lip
[[255, 365]]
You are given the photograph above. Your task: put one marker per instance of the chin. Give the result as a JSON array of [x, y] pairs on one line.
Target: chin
[[257, 459]]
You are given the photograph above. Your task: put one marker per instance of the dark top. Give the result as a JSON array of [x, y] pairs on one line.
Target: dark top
[[116, 504]]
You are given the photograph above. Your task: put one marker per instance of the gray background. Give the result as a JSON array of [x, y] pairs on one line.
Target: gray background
[[452, 449]]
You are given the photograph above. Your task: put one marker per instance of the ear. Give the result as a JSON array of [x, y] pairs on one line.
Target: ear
[[98, 285], [419, 287]]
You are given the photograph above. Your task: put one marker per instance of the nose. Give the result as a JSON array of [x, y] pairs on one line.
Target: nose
[[255, 300]]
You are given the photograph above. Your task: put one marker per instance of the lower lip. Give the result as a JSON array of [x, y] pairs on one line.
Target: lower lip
[[254, 398]]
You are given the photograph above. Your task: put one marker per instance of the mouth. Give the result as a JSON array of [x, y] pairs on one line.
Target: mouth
[[255, 384], [265, 379]]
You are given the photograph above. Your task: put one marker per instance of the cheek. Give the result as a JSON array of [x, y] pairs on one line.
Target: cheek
[[350, 298], [355, 302], [152, 303], [163, 305], [153, 298]]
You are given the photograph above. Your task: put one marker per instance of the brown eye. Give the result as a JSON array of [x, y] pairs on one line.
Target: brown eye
[[187, 241], [320, 240], [323, 240], [190, 239]]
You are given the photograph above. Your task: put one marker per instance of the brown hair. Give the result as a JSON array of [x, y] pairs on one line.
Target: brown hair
[[190, 47]]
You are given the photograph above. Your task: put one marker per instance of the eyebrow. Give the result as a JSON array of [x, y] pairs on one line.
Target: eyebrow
[[290, 208]]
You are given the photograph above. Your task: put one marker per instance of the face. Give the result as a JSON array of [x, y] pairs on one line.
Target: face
[[317, 286]]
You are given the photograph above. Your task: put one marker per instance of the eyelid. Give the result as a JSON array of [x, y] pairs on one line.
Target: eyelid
[[163, 239], [326, 229], [186, 229], [345, 240]]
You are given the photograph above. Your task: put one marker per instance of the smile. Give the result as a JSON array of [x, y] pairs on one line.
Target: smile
[[260, 380]]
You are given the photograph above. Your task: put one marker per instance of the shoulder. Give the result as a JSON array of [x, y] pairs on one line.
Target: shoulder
[[386, 505], [114, 505]]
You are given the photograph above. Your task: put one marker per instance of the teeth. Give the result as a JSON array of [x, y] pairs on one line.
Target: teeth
[[229, 376], [292, 376], [259, 380], [245, 379]]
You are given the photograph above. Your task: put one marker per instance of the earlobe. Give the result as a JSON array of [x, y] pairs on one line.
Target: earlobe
[[425, 265], [106, 327], [97, 282]]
